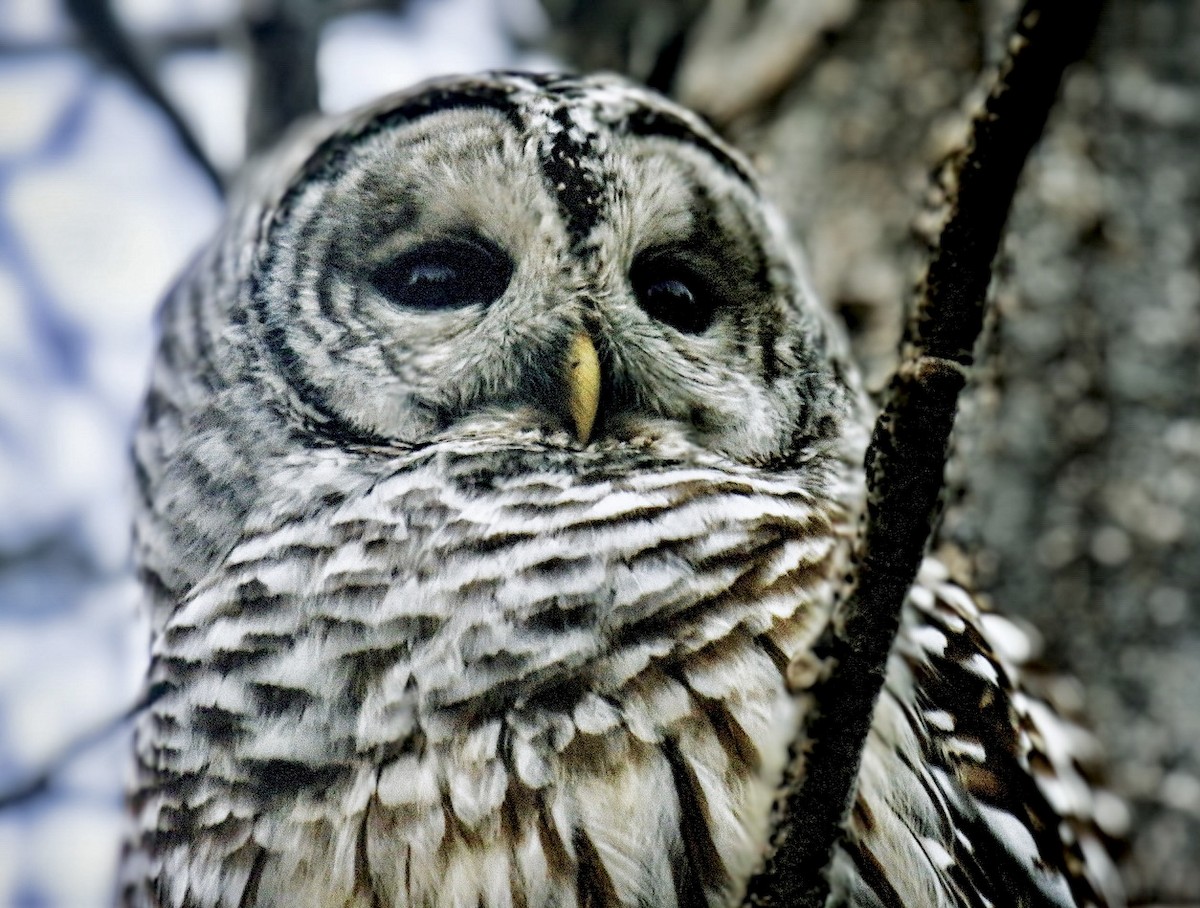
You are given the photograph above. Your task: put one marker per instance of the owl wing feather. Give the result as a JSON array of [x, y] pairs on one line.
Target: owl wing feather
[[973, 790]]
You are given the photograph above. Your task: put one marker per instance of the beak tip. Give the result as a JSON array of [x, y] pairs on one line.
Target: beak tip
[[583, 384]]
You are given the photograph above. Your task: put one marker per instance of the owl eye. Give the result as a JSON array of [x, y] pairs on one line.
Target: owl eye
[[444, 274], [672, 292]]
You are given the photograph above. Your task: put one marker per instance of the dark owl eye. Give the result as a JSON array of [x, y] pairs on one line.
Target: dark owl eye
[[445, 274], [673, 292]]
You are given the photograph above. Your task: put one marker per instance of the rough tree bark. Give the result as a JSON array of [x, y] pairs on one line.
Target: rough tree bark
[[1081, 460]]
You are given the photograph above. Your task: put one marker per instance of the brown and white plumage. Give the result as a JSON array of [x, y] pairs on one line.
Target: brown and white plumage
[[973, 790], [422, 635]]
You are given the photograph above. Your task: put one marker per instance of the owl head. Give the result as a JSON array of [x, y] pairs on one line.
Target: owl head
[[573, 265], [572, 259]]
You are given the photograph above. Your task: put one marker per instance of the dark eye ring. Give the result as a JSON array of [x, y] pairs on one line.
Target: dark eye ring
[[674, 292], [447, 273]]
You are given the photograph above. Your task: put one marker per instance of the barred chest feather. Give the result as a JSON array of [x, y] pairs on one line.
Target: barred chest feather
[[473, 682]]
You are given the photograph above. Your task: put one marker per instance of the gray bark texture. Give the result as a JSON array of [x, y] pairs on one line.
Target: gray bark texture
[[1073, 494]]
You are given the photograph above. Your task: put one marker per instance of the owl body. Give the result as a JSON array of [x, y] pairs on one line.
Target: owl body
[[447, 612]]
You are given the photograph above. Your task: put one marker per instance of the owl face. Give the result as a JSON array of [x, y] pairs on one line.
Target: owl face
[[436, 266]]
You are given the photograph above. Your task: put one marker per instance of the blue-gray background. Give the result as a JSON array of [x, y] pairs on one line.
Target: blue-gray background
[[98, 210]]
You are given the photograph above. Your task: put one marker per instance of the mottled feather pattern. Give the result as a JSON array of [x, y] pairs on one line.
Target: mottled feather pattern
[[419, 643], [483, 668], [973, 792]]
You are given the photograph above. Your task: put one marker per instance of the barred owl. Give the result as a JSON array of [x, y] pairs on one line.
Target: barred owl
[[497, 464]]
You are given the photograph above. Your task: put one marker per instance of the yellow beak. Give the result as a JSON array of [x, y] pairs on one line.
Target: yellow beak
[[583, 384]]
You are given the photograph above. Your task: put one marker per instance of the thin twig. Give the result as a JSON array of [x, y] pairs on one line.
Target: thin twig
[[907, 454], [100, 29], [40, 781]]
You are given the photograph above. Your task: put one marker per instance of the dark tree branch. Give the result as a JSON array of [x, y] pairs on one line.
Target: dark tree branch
[[100, 30], [281, 37], [43, 779], [907, 454]]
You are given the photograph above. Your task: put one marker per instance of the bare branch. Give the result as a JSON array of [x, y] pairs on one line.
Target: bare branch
[[907, 455], [102, 32], [41, 781]]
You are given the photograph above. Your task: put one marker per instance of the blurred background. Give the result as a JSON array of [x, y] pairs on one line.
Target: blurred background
[[1074, 494]]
